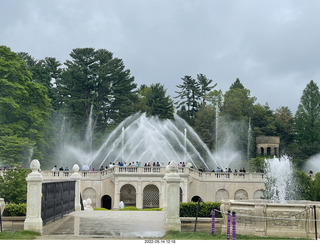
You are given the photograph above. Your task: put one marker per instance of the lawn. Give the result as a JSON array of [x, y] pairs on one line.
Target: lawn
[[176, 235], [18, 235]]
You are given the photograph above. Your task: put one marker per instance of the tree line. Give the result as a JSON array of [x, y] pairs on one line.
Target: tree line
[[36, 95]]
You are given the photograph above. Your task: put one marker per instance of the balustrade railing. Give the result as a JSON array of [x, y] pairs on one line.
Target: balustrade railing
[[153, 170]]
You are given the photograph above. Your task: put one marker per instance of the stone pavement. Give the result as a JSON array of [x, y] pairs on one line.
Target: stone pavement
[[106, 225]]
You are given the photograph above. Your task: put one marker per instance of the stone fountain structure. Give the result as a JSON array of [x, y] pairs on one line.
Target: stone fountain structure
[[277, 216]]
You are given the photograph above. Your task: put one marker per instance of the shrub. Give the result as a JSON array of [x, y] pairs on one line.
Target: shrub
[[189, 209], [15, 209]]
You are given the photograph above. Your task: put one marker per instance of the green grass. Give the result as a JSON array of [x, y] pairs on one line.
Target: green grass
[[176, 235], [18, 235]]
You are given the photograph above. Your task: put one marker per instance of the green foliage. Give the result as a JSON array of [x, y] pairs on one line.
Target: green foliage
[[154, 102], [237, 104], [13, 186], [302, 185], [307, 120], [25, 110], [189, 209], [15, 209], [18, 235], [315, 192], [256, 164], [204, 125]]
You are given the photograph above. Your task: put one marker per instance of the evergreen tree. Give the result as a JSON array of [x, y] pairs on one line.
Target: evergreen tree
[[307, 120], [237, 102], [95, 78], [189, 97], [204, 85]]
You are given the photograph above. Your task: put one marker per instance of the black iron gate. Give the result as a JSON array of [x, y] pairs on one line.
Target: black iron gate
[[58, 199]]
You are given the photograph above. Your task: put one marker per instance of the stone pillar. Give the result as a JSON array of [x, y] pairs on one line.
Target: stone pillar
[[116, 200], [33, 219], [76, 176], [139, 196], [2, 204], [173, 180]]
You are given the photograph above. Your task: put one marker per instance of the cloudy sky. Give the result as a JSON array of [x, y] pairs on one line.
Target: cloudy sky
[[272, 46]]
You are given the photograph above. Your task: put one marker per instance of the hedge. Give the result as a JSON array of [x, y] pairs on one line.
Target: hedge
[[13, 209], [189, 209]]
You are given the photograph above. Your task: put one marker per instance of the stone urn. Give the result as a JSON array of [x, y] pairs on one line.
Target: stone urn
[[2, 205]]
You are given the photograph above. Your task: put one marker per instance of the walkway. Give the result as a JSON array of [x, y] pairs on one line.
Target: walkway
[[106, 224]]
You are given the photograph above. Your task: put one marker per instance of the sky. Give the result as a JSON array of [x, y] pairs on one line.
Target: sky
[[272, 46]]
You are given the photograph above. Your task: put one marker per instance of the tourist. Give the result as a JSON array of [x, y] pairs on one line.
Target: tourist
[[101, 168], [137, 164], [183, 164], [158, 164], [180, 164], [66, 171], [54, 169]]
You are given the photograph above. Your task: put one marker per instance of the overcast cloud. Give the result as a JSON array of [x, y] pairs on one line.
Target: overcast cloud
[[272, 46]]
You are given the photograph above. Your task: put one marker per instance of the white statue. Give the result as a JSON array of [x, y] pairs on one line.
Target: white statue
[[121, 205], [87, 205], [2, 205]]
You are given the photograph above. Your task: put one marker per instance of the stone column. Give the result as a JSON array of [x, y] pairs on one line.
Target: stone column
[[139, 196], [116, 199], [172, 179], [76, 176], [33, 219]]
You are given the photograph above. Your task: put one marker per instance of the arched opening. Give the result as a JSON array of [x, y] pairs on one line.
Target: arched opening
[[269, 151], [241, 195], [222, 194], [181, 194], [128, 195], [261, 151], [106, 202], [196, 199], [90, 193], [258, 194], [151, 197]]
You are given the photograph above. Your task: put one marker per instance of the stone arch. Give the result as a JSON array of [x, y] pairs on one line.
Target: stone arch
[[258, 194], [221, 194], [261, 151], [196, 198], [269, 151], [128, 195], [151, 196], [241, 195], [106, 202], [89, 192]]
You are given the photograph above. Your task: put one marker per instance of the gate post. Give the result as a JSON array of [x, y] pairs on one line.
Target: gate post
[[76, 176], [173, 180], [34, 191]]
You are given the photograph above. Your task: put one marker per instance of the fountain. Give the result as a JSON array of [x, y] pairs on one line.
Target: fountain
[[147, 139], [280, 215], [280, 184]]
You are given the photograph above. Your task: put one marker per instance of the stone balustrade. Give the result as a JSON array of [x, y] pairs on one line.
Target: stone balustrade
[[154, 171]]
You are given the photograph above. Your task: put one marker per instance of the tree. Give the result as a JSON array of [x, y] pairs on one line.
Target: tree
[[284, 124], [95, 78], [205, 125], [263, 120], [25, 109], [307, 120], [160, 105], [189, 95], [44, 72], [237, 102], [204, 85], [13, 186]]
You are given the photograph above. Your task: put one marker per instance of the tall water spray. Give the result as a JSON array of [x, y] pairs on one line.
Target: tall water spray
[[280, 185], [89, 130], [148, 139], [249, 139]]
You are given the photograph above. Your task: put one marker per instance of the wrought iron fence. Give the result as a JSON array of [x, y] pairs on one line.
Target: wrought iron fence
[[58, 199]]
